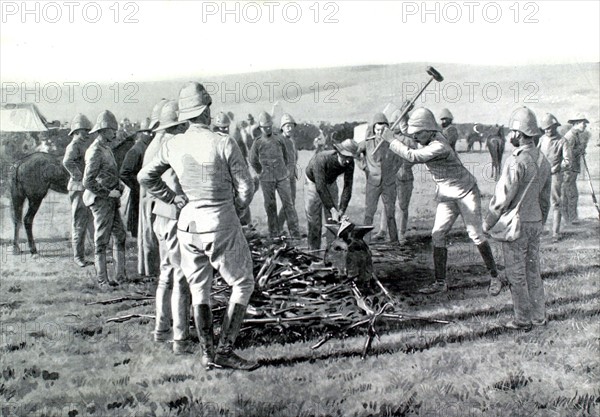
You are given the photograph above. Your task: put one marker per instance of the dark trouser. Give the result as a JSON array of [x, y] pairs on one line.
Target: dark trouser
[[281, 217], [285, 194], [522, 260], [570, 196], [313, 207], [387, 192], [82, 221]]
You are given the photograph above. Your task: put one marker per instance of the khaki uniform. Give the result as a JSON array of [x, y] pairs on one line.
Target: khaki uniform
[[292, 169], [456, 191], [101, 176], [404, 188], [216, 180], [451, 135], [556, 151], [521, 257], [380, 170], [81, 216], [173, 291], [269, 158], [575, 149]]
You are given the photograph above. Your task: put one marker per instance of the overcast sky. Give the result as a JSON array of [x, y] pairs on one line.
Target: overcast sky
[[160, 40]]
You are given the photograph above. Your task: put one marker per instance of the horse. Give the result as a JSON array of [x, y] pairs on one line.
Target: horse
[[32, 177], [495, 143], [475, 136]]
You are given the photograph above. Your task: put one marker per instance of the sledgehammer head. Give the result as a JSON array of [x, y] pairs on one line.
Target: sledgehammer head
[[435, 74]]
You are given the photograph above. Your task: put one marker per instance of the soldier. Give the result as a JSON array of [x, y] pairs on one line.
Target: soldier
[[288, 124], [172, 292], [269, 159], [147, 242], [554, 148], [74, 162], [321, 191], [102, 194], [221, 125], [526, 180], [132, 163], [251, 132], [448, 129], [380, 169], [209, 231], [576, 148], [456, 194], [404, 188]]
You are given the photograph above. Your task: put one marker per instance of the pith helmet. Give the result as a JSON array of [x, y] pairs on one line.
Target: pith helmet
[[80, 121], [579, 117], [265, 119], [222, 120], [445, 114], [145, 125], [154, 119], [547, 121], [105, 120], [349, 147], [380, 118], [168, 116], [524, 120], [193, 100], [287, 118], [422, 119]]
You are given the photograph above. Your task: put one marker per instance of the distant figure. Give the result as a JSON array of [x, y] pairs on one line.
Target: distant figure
[[269, 159], [250, 132], [525, 182], [448, 129], [288, 125], [576, 149], [129, 169], [74, 162], [554, 147]]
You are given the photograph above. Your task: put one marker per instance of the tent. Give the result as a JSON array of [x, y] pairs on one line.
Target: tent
[[22, 117]]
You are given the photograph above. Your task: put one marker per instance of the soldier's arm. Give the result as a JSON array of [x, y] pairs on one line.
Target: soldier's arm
[[506, 190], [254, 160], [428, 153], [347, 190], [129, 169], [150, 176], [286, 157], [322, 188], [72, 153], [545, 198], [243, 184], [360, 153], [93, 164]]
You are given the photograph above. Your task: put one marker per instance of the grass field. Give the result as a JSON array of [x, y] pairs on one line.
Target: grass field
[[59, 357]]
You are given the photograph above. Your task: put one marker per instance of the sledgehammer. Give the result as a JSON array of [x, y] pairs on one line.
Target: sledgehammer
[[435, 75]]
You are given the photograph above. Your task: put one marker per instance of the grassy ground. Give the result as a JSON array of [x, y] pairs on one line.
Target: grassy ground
[[60, 357]]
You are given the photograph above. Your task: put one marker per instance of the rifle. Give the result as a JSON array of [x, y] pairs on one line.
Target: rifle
[[591, 186]]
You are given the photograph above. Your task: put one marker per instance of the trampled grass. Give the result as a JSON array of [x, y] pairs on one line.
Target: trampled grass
[[59, 357]]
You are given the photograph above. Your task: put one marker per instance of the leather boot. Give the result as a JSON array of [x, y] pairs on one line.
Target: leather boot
[[440, 257], [226, 357], [204, 328], [101, 273], [496, 284]]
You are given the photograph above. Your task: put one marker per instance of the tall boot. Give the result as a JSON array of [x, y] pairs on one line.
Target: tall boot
[[101, 273], [496, 284], [232, 322], [204, 327], [440, 257], [120, 274]]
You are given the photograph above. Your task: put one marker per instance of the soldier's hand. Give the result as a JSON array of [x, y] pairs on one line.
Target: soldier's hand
[[180, 201], [388, 135], [335, 215], [408, 104], [114, 194]]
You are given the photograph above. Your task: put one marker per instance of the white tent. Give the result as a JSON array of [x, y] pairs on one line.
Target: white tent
[[21, 117]]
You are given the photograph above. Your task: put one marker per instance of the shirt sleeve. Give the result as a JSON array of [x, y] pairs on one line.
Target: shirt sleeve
[[347, 191], [435, 150], [254, 160], [506, 190], [72, 153], [150, 176], [321, 186], [243, 184]]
